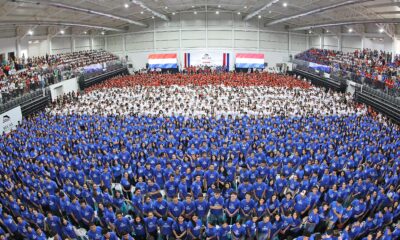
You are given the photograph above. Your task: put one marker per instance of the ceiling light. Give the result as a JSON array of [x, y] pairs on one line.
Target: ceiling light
[[30, 32], [152, 17], [310, 31], [192, 6], [238, 13], [269, 11], [327, 31], [62, 31], [217, 12], [102, 33], [381, 30], [350, 30], [30, 42], [219, 6], [141, 12], [126, 5], [166, 7], [84, 32], [173, 13], [284, 4], [245, 7], [259, 16], [195, 12]]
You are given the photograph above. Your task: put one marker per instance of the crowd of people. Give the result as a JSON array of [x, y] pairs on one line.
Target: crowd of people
[[368, 66], [251, 156], [20, 75], [206, 100], [228, 156]]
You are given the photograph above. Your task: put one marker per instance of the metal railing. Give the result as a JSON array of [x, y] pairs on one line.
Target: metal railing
[[340, 75]]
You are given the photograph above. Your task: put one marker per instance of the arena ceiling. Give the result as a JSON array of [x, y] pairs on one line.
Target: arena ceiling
[[116, 15]]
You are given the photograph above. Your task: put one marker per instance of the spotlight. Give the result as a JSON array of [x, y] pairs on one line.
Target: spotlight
[[259, 16], [217, 12], [195, 12], [62, 31], [284, 4], [173, 13], [381, 30], [350, 30], [141, 12], [102, 33], [238, 13], [30, 32], [126, 5]]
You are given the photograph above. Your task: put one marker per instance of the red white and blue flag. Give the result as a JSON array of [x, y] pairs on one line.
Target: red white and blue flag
[[225, 61], [249, 60], [186, 60], [169, 60]]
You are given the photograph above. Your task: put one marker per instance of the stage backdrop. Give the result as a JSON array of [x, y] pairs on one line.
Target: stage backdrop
[[215, 59], [250, 60], [163, 61]]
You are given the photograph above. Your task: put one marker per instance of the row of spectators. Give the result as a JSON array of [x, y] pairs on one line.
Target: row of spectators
[[365, 66], [20, 76], [232, 79]]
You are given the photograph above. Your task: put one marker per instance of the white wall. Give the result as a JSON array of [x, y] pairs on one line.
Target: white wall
[[207, 33], [8, 45], [37, 47], [64, 87], [82, 43]]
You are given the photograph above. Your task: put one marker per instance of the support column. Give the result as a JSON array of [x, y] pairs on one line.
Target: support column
[[18, 47], [91, 42], [105, 44], [49, 51], [73, 44], [362, 41], [339, 42], [321, 41]]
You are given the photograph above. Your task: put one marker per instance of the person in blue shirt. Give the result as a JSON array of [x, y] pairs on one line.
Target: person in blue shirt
[[216, 205], [259, 189], [247, 206], [302, 203], [202, 208], [211, 232], [139, 228], [244, 188], [180, 228], [251, 228], [238, 231], [211, 177], [189, 207], [151, 225], [165, 225], [195, 228], [53, 224], [175, 208], [87, 214], [68, 230], [276, 226], [95, 232], [154, 188], [109, 235], [171, 188], [160, 207], [232, 208], [122, 224]]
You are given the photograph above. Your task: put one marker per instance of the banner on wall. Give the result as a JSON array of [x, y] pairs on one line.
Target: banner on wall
[[209, 59], [250, 60], [9, 120], [163, 61]]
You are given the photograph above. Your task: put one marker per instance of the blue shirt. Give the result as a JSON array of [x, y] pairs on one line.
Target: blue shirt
[[216, 202]]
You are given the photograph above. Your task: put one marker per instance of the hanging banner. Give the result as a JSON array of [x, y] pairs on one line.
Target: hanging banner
[[10, 119], [163, 61], [250, 60], [209, 59]]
